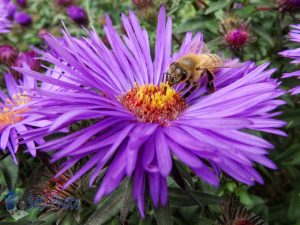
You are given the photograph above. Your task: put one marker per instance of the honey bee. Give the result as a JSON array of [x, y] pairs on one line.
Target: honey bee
[[190, 68]]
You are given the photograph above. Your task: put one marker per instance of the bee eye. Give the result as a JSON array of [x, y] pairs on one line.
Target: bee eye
[[184, 74]]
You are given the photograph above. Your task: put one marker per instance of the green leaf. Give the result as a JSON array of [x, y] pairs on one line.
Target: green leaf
[[264, 35], [146, 221], [163, 216], [294, 212], [127, 201], [287, 152], [294, 161], [108, 208], [216, 6], [178, 198], [68, 220], [10, 171]]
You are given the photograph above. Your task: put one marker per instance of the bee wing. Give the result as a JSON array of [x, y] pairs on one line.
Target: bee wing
[[204, 49], [213, 67], [197, 48]]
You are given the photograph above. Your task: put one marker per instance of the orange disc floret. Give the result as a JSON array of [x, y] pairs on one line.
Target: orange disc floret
[[9, 116], [154, 103]]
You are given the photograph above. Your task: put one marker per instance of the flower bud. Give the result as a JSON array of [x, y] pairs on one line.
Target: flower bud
[[77, 14], [237, 38], [7, 54], [23, 18], [233, 212], [147, 9], [235, 33]]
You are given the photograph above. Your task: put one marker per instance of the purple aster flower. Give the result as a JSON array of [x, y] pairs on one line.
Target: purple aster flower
[[77, 14], [14, 118], [5, 24], [293, 54], [141, 123], [23, 18], [10, 117]]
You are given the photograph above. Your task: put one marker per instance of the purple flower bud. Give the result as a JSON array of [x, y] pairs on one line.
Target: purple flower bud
[[23, 18], [77, 14], [64, 2], [7, 54], [235, 32], [22, 3], [28, 59], [237, 38]]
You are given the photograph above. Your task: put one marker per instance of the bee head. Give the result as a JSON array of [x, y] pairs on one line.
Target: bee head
[[176, 73]]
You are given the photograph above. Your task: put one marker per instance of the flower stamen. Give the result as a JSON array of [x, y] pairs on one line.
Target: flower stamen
[[9, 116], [154, 103]]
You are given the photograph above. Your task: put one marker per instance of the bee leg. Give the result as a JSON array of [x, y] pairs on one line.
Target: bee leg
[[194, 87], [210, 83], [187, 84]]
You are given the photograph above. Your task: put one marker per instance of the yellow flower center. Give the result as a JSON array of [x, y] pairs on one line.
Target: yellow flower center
[[154, 103], [9, 116]]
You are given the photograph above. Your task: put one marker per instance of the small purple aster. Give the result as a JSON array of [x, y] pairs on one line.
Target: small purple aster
[[77, 14], [141, 123], [14, 118], [23, 18], [293, 54], [9, 117], [5, 24]]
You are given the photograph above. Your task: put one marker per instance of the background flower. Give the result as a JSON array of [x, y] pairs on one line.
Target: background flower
[[77, 14], [293, 54], [5, 24], [23, 18], [14, 119], [121, 89]]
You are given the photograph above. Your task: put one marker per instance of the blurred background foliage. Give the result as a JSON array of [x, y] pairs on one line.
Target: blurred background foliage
[[191, 202]]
